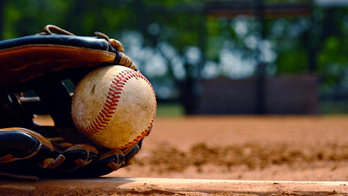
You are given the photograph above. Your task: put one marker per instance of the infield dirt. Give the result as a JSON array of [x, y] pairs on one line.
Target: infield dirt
[[266, 148], [310, 148]]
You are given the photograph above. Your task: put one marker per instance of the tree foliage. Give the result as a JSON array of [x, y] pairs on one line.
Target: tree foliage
[[187, 44]]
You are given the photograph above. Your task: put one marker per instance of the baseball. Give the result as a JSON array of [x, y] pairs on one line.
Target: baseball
[[114, 106]]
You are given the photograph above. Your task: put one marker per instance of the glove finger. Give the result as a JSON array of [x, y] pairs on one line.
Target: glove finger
[[107, 162], [129, 161], [72, 158], [131, 152], [18, 144], [20, 152], [113, 159]]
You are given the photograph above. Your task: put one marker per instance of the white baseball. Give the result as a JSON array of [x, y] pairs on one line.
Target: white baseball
[[114, 106]]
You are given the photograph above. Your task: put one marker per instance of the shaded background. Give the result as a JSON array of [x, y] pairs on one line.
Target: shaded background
[[215, 57]]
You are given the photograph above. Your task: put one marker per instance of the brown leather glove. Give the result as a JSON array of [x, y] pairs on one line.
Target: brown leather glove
[[39, 63]]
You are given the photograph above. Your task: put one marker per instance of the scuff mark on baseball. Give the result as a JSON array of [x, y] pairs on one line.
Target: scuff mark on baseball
[[114, 106]]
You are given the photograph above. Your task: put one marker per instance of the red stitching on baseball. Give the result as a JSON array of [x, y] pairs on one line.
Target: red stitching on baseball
[[110, 106], [144, 133]]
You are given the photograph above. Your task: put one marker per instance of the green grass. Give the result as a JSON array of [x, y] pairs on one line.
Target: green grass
[[169, 110], [333, 107], [325, 107]]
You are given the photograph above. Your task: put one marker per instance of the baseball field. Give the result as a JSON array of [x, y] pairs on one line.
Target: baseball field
[[287, 148], [246, 149]]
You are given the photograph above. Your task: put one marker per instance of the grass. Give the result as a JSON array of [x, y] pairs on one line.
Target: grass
[[333, 107], [325, 108], [169, 110]]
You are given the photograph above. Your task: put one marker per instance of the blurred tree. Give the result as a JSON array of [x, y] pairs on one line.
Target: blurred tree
[[2, 2], [176, 43]]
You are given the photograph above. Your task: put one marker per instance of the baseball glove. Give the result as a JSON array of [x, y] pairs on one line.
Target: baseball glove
[[34, 71]]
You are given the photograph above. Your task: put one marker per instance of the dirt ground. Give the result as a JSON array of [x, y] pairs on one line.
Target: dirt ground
[[270, 148], [287, 148]]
